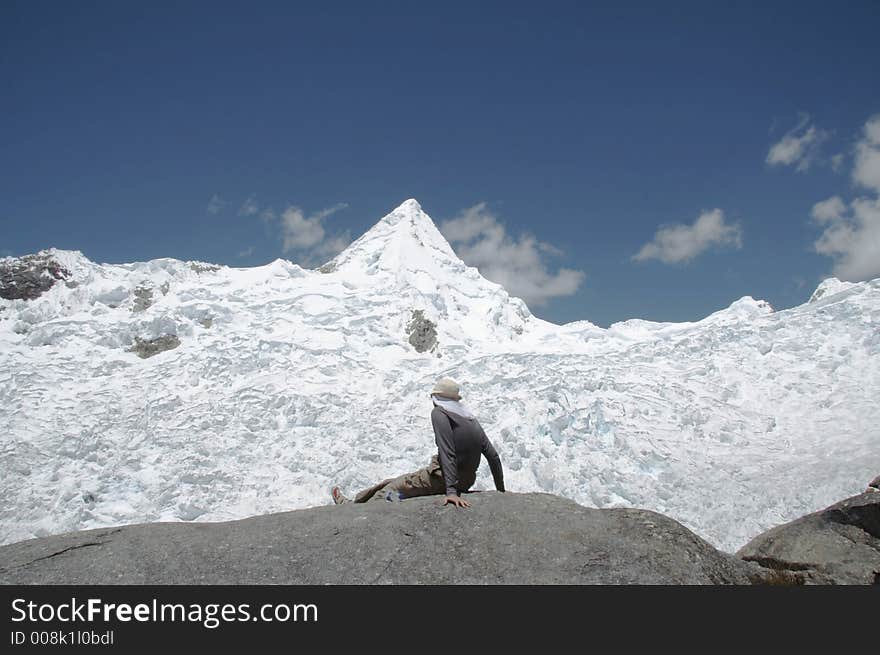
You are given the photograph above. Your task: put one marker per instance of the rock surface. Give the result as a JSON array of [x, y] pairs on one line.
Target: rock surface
[[422, 332], [146, 348], [837, 545], [28, 277], [502, 538]]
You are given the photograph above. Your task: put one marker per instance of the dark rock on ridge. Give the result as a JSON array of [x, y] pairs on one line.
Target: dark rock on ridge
[[145, 348], [837, 545], [203, 267], [29, 277], [503, 538]]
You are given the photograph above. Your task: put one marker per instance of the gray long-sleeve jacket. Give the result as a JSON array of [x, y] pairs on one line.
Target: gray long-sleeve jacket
[[460, 442]]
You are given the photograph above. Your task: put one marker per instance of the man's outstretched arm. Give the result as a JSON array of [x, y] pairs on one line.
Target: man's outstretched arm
[[494, 463]]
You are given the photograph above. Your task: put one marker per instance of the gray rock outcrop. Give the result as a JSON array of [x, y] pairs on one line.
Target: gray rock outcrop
[[145, 348], [502, 538], [203, 267], [29, 277], [837, 545], [422, 332]]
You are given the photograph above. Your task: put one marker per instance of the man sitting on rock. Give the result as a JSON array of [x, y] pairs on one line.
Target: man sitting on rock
[[460, 443]]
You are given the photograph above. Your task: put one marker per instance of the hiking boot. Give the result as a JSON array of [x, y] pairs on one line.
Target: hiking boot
[[338, 498]]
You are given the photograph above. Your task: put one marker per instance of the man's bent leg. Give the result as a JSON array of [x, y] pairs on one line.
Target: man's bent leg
[[367, 494]]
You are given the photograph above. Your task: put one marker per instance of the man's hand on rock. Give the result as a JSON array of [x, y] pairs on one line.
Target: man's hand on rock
[[455, 500]]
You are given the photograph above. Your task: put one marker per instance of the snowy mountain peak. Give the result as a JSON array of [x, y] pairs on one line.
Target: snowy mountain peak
[[404, 261], [407, 207], [405, 239]]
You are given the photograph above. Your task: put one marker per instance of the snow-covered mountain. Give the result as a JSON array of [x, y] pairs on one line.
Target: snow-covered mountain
[[170, 390]]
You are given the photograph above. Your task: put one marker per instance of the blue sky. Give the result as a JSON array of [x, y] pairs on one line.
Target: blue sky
[[568, 137]]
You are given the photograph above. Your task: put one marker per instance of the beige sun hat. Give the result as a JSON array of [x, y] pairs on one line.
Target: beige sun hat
[[446, 388]]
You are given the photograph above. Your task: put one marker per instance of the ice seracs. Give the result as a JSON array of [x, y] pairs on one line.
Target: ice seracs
[[828, 288], [285, 381]]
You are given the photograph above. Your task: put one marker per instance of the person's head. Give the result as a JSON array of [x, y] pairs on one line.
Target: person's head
[[446, 388]]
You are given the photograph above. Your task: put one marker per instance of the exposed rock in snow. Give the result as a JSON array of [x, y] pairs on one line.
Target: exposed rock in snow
[[204, 267], [28, 277], [422, 332], [148, 347]]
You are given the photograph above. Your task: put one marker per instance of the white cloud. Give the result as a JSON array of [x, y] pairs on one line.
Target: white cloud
[[837, 162], [872, 130], [866, 170], [680, 243], [482, 241], [853, 241], [828, 210], [332, 246], [300, 231], [799, 147], [307, 235], [852, 234], [215, 204], [249, 207]]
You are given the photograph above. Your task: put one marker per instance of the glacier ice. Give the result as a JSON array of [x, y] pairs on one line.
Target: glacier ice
[[287, 381]]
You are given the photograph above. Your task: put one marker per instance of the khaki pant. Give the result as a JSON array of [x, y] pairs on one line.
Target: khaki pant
[[424, 482]]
